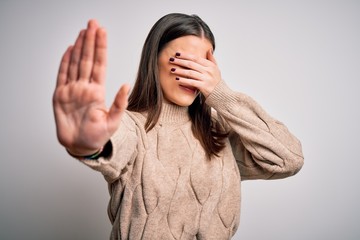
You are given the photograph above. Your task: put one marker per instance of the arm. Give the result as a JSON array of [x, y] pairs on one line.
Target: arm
[[262, 146]]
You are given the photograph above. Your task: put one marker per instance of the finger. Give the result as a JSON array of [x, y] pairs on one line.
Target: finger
[[189, 82], [199, 60], [188, 64], [64, 66], [99, 68], [75, 57], [185, 73], [201, 86], [87, 54], [118, 107]]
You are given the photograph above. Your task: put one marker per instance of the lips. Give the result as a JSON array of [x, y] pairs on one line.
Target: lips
[[189, 89]]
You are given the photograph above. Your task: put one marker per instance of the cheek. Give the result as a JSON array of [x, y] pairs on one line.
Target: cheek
[[164, 66], [164, 78], [165, 73]]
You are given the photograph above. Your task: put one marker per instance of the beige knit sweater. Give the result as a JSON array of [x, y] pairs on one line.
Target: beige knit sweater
[[163, 187]]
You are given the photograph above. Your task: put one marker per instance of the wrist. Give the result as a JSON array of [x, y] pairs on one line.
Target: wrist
[[93, 155], [104, 151]]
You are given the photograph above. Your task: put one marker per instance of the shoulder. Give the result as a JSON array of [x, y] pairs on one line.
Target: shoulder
[[134, 118], [134, 121], [131, 128]]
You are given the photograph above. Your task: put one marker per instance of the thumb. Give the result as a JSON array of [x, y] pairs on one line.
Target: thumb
[[210, 56], [118, 107]]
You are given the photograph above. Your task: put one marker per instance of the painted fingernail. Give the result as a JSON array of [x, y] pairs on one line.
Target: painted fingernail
[[177, 54], [177, 78], [172, 59], [173, 69]]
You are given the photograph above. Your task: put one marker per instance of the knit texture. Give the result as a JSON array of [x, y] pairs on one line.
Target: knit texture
[[162, 185]]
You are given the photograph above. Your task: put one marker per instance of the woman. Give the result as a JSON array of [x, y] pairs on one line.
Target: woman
[[175, 152]]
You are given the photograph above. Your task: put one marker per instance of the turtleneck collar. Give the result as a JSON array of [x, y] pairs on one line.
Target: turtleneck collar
[[172, 113]]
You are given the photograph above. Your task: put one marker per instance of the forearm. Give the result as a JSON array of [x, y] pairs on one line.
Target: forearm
[[275, 152]]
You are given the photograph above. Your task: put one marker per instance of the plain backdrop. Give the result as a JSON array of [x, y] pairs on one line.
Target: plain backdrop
[[299, 59]]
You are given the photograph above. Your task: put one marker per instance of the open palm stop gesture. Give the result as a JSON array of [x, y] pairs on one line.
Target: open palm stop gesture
[[83, 123]]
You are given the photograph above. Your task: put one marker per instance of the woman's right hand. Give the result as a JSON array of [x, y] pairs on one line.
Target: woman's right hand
[[83, 123]]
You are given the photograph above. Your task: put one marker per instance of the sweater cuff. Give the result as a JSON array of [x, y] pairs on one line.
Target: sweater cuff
[[237, 106], [223, 97]]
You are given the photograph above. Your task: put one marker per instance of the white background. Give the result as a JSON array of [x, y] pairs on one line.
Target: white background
[[299, 59]]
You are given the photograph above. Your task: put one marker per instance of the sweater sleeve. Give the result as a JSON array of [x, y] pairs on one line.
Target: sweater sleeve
[[124, 150], [263, 147]]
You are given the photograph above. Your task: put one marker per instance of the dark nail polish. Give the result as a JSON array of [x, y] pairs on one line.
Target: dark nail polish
[[177, 78], [173, 69], [172, 59], [177, 54]]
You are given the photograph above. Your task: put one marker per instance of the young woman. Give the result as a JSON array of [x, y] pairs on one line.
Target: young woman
[[173, 153]]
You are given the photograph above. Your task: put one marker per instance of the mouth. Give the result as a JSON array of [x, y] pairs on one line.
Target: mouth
[[189, 89]]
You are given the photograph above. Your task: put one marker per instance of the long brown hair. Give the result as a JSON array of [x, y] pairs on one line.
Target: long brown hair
[[147, 94]]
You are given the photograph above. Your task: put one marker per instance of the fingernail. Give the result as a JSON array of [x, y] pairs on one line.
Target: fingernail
[[177, 78], [177, 54], [173, 69], [172, 59]]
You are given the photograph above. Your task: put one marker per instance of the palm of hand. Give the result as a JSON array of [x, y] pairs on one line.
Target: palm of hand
[[81, 115], [83, 123]]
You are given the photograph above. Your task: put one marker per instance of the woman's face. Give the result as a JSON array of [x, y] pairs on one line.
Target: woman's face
[[173, 91]]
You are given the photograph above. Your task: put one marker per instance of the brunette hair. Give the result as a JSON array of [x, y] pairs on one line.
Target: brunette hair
[[147, 93]]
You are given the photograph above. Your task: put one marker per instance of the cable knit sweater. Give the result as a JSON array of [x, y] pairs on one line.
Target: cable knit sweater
[[162, 186]]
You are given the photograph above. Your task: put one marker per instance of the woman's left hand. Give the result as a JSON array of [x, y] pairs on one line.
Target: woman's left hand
[[197, 72]]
